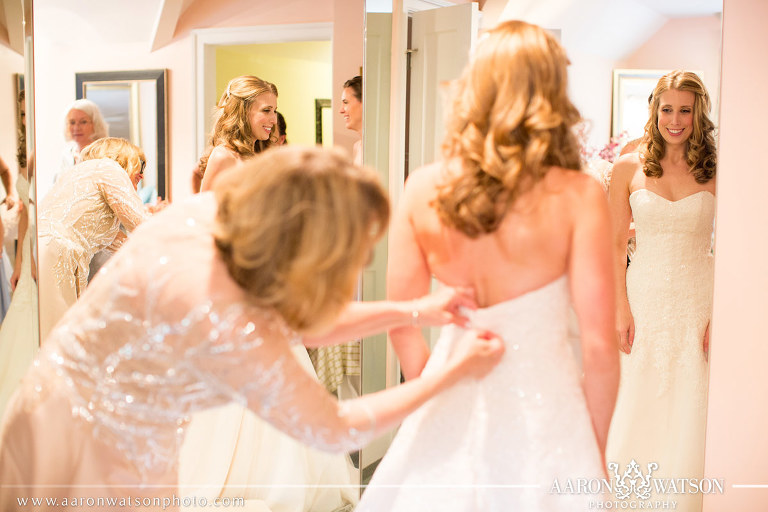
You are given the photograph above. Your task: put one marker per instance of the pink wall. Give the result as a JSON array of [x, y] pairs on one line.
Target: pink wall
[[737, 443], [686, 43], [245, 13], [347, 61]]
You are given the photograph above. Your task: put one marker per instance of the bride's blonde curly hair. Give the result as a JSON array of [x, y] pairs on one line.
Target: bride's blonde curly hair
[[701, 154], [511, 121]]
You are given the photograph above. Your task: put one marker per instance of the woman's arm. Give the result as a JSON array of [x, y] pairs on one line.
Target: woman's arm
[[278, 389], [21, 235], [408, 276], [360, 319], [621, 216], [121, 196], [592, 289]]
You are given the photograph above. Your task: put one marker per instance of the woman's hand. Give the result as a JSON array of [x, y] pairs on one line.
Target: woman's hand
[[625, 327], [160, 205], [443, 307], [475, 354]]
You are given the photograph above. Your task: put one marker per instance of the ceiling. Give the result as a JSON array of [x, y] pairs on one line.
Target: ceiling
[[155, 21]]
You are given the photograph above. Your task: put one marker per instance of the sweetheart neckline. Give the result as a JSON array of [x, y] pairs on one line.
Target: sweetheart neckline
[[670, 200]]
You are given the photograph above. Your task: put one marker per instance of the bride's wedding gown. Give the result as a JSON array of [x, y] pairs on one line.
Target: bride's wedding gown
[[661, 408], [498, 444]]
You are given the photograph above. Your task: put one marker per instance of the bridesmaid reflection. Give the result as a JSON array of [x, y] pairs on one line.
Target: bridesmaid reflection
[[244, 126], [664, 297], [81, 215], [352, 111]]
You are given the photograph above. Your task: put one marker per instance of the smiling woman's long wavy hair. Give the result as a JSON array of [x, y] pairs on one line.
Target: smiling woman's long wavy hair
[[511, 121], [701, 153], [231, 125]]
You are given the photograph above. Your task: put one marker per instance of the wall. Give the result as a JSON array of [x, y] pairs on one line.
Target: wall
[[692, 44], [348, 18], [300, 70], [737, 443]]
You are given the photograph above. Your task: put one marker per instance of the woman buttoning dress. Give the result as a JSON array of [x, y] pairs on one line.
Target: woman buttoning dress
[[199, 308], [508, 214], [250, 458], [665, 303], [80, 216]]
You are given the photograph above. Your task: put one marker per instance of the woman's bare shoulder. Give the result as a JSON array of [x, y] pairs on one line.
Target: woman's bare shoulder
[[221, 154]]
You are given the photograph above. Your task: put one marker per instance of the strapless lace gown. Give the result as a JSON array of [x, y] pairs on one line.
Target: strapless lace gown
[[661, 408], [497, 444]]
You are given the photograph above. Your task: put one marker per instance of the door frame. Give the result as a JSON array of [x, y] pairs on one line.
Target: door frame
[[206, 41]]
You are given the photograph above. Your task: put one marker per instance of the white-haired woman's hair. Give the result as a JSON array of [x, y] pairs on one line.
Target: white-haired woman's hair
[[92, 110]]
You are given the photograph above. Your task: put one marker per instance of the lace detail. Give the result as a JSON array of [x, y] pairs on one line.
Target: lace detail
[[660, 412], [673, 266], [82, 215], [498, 443]]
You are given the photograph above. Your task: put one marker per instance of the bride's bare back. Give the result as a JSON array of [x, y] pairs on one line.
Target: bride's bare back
[[534, 244]]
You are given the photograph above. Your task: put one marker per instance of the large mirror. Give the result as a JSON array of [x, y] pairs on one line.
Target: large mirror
[[19, 332], [184, 38], [134, 106], [611, 46]]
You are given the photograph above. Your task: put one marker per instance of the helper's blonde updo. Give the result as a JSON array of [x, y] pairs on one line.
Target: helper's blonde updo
[[295, 226]]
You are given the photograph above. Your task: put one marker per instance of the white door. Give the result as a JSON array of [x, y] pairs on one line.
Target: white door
[[441, 41]]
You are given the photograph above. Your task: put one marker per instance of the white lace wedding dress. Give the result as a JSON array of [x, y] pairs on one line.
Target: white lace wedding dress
[[661, 408], [499, 443]]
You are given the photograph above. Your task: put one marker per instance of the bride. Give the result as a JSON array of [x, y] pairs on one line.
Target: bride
[[665, 303], [508, 214]]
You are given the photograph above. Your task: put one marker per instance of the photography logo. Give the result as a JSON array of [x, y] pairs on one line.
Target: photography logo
[[633, 482], [636, 488]]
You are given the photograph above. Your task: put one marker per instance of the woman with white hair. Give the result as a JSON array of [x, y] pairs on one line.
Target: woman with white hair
[[83, 124]]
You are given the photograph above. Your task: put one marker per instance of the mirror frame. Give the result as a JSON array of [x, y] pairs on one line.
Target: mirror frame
[[159, 76]]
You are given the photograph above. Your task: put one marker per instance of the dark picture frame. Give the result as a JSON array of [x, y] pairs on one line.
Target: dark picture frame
[[111, 89]]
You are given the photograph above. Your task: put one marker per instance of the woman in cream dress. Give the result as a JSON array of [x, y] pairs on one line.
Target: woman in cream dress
[[665, 301], [201, 308], [80, 216]]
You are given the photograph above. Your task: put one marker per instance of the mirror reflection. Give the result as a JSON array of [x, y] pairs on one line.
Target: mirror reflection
[[596, 49], [658, 39], [19, 337]]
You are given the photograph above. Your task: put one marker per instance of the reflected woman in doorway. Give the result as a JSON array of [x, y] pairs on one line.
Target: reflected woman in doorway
[[352, 111], [244, 126], [664, 297]]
